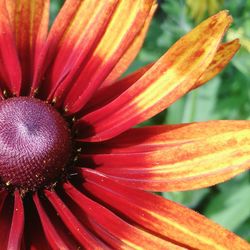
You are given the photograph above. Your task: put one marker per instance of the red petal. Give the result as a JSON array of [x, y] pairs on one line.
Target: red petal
[[1, 93], [112, 225], [34, 238], [9, 63], [160, 216], [166, 81], [55, 236], [5, 218], [3, 195], [88, 240], [29, 19], [17, 225], [57, 31]]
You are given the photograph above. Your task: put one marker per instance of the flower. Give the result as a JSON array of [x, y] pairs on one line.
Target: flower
[[74, 173]]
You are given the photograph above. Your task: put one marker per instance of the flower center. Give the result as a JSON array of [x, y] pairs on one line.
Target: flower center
[[35, 143]]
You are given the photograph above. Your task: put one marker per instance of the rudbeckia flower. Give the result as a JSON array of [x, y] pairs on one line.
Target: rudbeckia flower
[[74, 174]]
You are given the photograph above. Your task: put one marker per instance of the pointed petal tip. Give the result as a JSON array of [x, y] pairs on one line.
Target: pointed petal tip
[[143, 99], [235, 44], [225, 13], [225, 17]]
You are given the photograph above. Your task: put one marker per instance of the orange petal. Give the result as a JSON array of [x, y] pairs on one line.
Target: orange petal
[[164, 218], [124, 27], [129, 56], [110, 92], [223, 56], [74, 34], [166, 81], [175, 157], [29, 20]]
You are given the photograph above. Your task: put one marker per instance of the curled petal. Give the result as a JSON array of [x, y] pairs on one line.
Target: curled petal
[[108, 93], [222, 57], [166, 81]]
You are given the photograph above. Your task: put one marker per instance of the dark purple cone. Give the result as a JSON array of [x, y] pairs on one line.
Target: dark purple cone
[[35, 143]]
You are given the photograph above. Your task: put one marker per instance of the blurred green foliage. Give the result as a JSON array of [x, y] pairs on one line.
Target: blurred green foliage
[[227, 96]]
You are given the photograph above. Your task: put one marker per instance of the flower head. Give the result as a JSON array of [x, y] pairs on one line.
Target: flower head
[[73, 172]]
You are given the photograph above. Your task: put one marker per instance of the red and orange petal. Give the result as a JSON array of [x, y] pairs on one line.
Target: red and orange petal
[[29, 21], [132, 51], [125, 24], [161, 217], [73, 36], [174, 157], [132, 236], [100, 213], [109, 92], [91, 61], [10, 69], [168, 79], [222, 57]]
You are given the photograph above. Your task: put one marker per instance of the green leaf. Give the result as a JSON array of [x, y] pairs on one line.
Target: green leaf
[[55, 5], [230, 208], [188, 198], [244, 230], [200, 103], [242, 61], [175, 112]]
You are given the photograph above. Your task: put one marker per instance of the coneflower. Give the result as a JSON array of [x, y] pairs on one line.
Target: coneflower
[[74, 174]]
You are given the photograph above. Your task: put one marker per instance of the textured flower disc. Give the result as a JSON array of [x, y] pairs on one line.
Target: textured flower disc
[[35, 143]]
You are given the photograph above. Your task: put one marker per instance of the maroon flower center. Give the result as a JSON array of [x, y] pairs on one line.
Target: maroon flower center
[[35, 143]]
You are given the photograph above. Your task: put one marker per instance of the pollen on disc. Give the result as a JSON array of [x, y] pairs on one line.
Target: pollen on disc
[[35, 143]]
